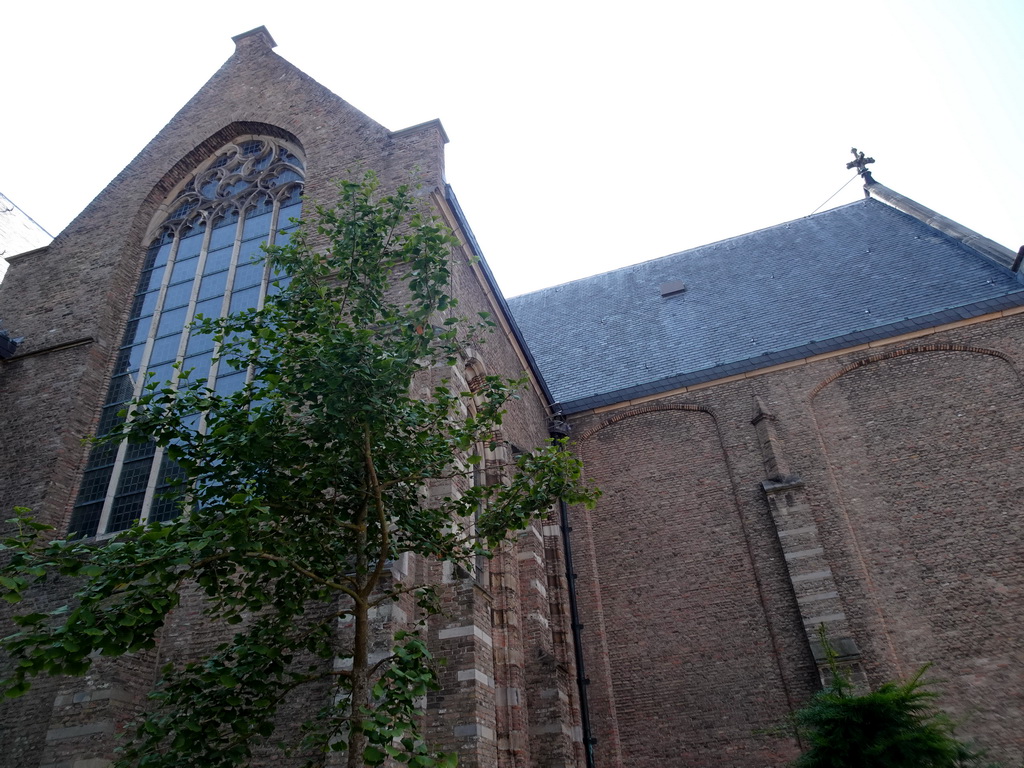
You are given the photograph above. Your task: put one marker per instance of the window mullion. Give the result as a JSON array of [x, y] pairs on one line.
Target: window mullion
[[211, 381], [271, 241], [122, 448], [158, 454]]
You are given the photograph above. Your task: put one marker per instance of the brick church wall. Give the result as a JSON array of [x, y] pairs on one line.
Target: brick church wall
[[896, 468], [70, 302], [681, 650], [905, 456], [928, 524]]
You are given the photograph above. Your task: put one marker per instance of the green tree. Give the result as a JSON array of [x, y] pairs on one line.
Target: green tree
[[896, 726], [297, 492]]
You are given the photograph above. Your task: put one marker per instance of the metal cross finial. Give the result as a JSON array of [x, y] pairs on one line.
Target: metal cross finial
[[860, 162]]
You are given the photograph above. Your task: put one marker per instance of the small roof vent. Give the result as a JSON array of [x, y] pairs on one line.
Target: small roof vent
[[672, 287]]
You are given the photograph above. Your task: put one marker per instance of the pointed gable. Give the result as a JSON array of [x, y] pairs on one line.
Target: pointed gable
[[255, 92]]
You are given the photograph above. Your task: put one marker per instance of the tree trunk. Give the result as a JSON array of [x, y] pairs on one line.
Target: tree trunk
[[360, 685]]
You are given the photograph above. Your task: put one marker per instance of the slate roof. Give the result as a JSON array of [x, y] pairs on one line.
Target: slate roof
[[857, 273]]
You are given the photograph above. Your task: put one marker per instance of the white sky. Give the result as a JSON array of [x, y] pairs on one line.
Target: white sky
[[585, 136]]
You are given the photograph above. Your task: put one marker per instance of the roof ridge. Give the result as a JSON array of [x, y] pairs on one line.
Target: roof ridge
[[983, 246]]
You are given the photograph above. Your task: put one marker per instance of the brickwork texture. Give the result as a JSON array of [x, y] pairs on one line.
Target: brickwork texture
[[876, 491], [70, 302]]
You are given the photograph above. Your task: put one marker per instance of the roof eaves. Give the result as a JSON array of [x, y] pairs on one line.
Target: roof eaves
[[855, 338]]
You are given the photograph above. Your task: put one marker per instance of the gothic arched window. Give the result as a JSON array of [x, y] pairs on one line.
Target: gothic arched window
[[202, 257]]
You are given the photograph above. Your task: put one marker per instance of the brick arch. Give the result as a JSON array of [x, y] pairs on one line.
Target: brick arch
[[642, 410], [921, 455], [894, 353], [665, 577], [127, 254]]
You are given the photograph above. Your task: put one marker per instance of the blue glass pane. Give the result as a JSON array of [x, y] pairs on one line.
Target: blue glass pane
[[182, 206], [228, 385], [121, 390], [291, 206], [150, 260], [170, 473], [263, 204], [166, 505], [246, 299], [198, 342], [161, 374], [251, 251], [223, 233], [129, 359], [247, 275], [137, 330], [284, 234], [178, 295], [228, 367], [285, 176], [134, 476], [184, 269], [278, 285], [257, 226], [291, 159], [199, 364], [165, 349], [101, 455], [235, 186], [210, 307], [161, 254], [172, 321], [109, 418], [151, 280], [144, 304], [217, 261], [190, 245], [213, 285]]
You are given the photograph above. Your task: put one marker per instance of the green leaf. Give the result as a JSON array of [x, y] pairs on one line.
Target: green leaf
[[278, 529]]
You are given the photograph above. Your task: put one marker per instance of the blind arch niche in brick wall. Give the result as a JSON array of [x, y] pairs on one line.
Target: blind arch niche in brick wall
[[675, 635], [924, 445]]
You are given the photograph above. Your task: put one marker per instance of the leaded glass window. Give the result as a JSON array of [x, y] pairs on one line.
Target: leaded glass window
[[204, 258]]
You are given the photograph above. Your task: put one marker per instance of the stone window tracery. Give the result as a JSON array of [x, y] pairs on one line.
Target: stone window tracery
[[203, 257]]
